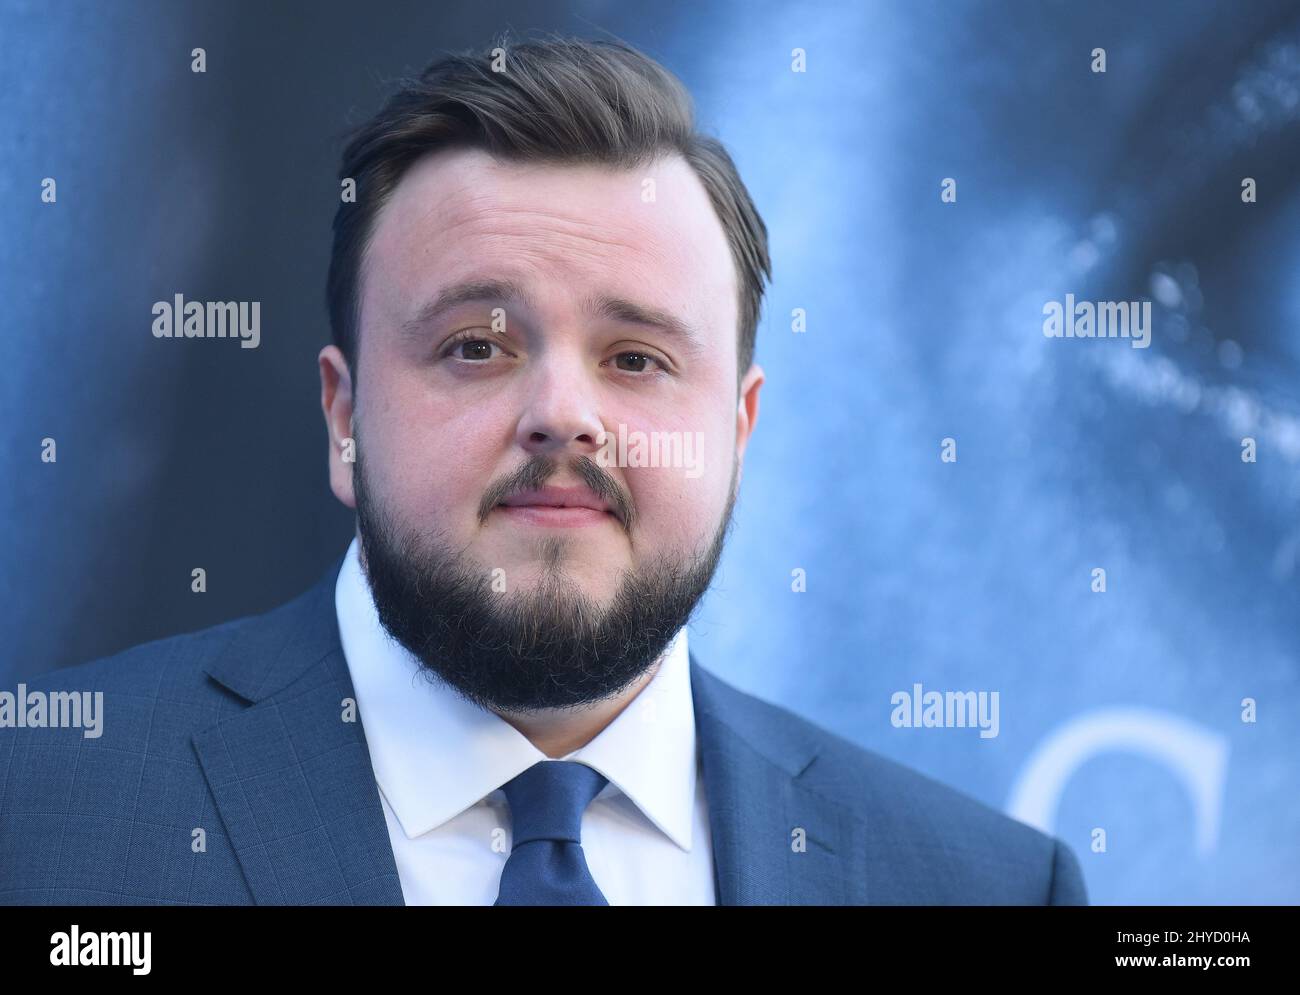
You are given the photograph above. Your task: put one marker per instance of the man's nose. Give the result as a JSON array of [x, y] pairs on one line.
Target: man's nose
[[560, 409]]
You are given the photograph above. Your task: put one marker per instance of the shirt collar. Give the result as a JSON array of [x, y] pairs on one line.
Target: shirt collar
[[435, 754]]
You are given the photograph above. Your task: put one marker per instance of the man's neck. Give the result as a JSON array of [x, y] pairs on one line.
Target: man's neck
[[558, 732]]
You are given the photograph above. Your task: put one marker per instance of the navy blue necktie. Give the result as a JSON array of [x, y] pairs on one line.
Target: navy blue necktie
[[546, 865]]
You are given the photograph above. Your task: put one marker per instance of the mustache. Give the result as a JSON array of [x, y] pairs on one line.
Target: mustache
[[541, 468]]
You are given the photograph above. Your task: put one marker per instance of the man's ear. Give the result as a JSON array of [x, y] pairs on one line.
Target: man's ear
[[336, 404], [747, 414]]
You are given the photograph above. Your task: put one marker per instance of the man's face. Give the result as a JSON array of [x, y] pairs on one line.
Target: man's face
[[581, 300]]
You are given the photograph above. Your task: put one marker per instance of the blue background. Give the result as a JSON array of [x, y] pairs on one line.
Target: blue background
[[1120, 711]]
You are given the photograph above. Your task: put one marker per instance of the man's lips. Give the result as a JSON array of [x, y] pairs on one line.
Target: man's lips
[[540, 514], [557, 497], [557, 506]]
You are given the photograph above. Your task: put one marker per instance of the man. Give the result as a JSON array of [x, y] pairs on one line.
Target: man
[[490, 697]]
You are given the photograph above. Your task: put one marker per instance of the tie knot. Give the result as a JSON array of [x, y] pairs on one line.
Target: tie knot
[[548, 799]]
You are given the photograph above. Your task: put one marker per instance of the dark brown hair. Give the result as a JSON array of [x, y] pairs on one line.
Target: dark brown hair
[[557, 100]]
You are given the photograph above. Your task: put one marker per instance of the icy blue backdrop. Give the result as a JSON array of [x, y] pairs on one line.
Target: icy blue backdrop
[[1119, 711]]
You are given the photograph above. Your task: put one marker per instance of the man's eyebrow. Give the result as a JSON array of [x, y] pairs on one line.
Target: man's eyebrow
[[468, 292], [630, 312], [504, 291]]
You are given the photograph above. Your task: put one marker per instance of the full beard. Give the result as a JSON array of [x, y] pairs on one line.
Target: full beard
[[552, 646]]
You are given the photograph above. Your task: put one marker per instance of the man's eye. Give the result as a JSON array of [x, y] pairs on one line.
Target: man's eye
[[467, 348], [638, 361]]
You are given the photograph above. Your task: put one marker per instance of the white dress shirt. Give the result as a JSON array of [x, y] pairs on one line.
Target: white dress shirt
[[440, 762]]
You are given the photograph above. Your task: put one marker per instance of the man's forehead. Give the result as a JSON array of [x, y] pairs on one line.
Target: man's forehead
[[468, 177], [657, 216]]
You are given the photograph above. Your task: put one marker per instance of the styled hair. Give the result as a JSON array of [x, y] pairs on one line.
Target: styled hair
[[557, 100]]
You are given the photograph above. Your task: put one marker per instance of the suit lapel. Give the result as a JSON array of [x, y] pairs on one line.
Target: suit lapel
[[291, 774], [776, 840]]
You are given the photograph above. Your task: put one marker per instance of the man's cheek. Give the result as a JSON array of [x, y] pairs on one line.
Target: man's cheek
[[666, 520]]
